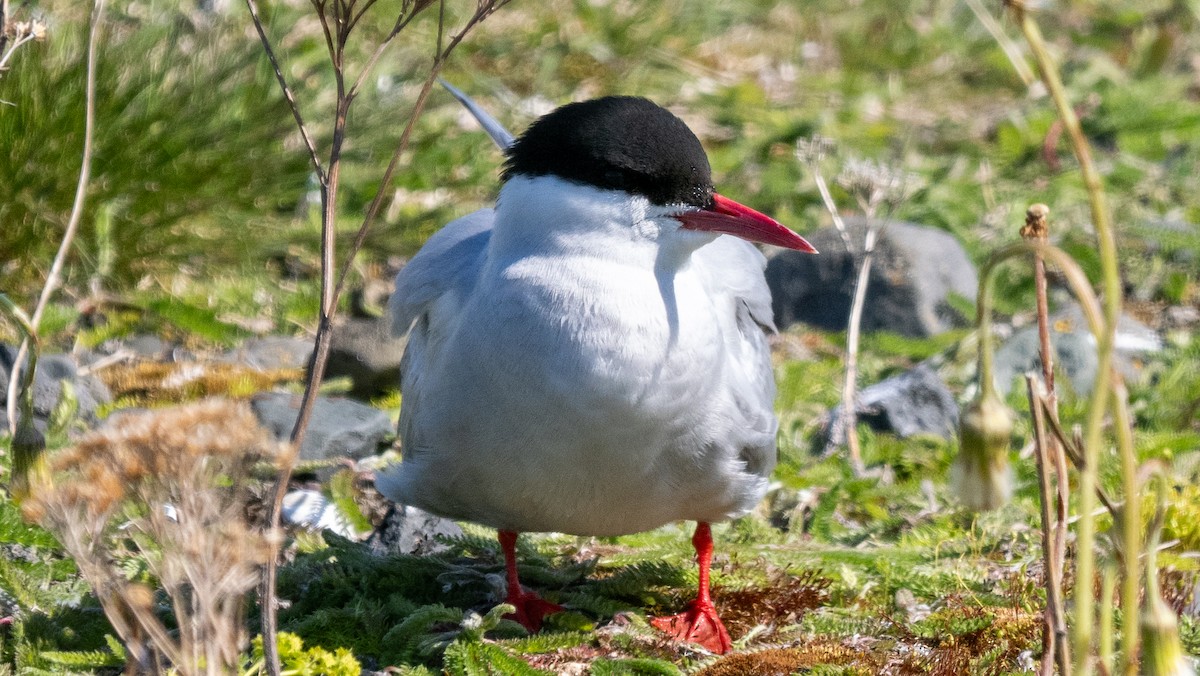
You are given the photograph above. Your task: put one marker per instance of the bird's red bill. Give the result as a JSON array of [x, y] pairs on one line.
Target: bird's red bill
[[732, 218]]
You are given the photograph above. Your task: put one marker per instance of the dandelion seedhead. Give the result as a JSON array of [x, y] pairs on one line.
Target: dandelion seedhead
[[168, 487], [873, 183], [813, 149], [26, 30]]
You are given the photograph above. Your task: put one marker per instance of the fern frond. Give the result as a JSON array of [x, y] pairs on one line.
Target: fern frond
[[634, 580], [545, 643], [82, 659], [634, 666], [473, 658], [406, 640]]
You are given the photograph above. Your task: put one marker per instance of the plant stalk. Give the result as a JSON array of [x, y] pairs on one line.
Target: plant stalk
[[1106, 245], [54, 278], [1054, 631], [337, 34], [1050, 455], [853, 335]]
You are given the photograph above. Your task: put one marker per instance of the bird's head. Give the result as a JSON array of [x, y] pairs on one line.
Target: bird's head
[[630, 144]]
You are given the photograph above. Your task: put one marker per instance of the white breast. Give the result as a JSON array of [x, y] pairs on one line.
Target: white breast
[[593, 382]]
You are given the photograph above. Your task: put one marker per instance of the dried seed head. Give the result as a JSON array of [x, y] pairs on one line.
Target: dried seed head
[[873, 182], [813, 149], [1036, 226], [184, 475], [981, 475], [138, 596]]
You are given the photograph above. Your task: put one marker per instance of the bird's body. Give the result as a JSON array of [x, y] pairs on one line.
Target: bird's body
[[591, 381], [589, 357]]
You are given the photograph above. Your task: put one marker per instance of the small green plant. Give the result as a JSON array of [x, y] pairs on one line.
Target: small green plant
[[300, 661]]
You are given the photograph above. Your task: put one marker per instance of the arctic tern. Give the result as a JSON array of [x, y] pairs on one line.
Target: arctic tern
[[590, 356]]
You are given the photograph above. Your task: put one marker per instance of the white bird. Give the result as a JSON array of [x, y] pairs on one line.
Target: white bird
[[590, 356]]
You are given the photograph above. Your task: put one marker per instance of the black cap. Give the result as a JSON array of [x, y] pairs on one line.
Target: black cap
[[618, 143]]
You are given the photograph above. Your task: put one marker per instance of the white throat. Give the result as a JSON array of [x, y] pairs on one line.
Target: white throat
[[550, 215]]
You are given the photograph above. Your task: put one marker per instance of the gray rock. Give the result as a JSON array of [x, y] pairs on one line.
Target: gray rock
[[1182, 317], [1075, 351], [147, 346], [338, 428], [272, 352], [915, 271], [52, 371], [140, 346], [914, 402], [408, 530], [365, 351], [1075, 358]]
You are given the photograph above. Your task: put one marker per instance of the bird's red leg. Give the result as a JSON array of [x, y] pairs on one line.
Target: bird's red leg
[[531, 608], [699, 623]]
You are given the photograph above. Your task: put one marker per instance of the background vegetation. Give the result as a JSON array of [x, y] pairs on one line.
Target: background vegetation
[[201, 220]]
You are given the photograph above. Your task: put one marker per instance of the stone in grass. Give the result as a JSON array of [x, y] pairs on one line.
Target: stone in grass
[[914, 402], [408, 530], [52, 371], [339, 428], [916, 271], [365, 351], [1075, 351], [272, 352]]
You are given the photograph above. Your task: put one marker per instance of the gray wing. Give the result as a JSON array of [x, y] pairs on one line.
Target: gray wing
[[447, 265], [427, 301], [736, 277]]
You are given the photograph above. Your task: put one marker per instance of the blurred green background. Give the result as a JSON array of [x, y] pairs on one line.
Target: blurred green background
[[199, 175]]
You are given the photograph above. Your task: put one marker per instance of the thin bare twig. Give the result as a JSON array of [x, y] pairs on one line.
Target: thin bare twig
[[1085, 564], [1010, 49], [287, 91], [6, 55], [484, 10], [1055, 629], [54, 278], [337, 33], [1050, 456]]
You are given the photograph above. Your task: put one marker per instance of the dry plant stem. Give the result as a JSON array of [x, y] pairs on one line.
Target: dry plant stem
[[6, 55], [1055, 630], [328, 183], [849, 419], [853, 335], [1106, 245], [287, 91], [830, 206], [1049, 455], [1006, 44], [54, 278], [1073, 450], [28, 462], [337, 34], [483, 10]]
